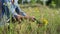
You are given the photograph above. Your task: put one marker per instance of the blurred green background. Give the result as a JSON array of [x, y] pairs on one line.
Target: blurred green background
[[54, 2]]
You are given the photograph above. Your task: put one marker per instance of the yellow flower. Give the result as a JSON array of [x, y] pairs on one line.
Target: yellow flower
[[44, 21]]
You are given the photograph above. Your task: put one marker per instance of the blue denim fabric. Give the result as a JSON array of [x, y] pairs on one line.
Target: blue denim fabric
[[19, 11], [7, 1], [13, 9], [5, 10], [0, 8]]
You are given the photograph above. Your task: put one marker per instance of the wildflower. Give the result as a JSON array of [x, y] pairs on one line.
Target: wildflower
[[44, 21]]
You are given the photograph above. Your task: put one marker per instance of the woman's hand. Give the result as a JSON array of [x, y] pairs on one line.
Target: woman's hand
[[19, 17]]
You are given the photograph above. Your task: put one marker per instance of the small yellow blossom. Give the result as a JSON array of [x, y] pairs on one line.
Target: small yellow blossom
[[44, 21]]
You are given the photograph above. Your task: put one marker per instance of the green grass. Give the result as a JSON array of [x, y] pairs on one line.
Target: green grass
[[28, 27]]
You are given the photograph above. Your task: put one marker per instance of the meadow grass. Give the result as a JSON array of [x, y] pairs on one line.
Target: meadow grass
[[28, 27]]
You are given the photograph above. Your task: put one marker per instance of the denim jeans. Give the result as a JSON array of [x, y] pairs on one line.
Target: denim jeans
[[12, 9], [5, 11]]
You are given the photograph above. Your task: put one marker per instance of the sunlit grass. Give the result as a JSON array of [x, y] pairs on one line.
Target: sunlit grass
[[27, 27]]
